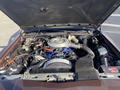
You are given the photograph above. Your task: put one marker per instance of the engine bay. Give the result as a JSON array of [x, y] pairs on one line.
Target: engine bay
[[62, 56]]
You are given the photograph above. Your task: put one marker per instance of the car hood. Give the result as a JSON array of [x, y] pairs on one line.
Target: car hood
[[28, 13]]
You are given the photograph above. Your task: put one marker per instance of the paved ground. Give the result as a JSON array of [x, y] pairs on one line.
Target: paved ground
[[111, 28], [113, 21], [8, 28]]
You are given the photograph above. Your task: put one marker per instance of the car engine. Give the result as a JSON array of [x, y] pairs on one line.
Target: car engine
[[63, 56]]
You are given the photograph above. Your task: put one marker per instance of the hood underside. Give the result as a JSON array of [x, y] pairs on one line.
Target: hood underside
[[40, 12]]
